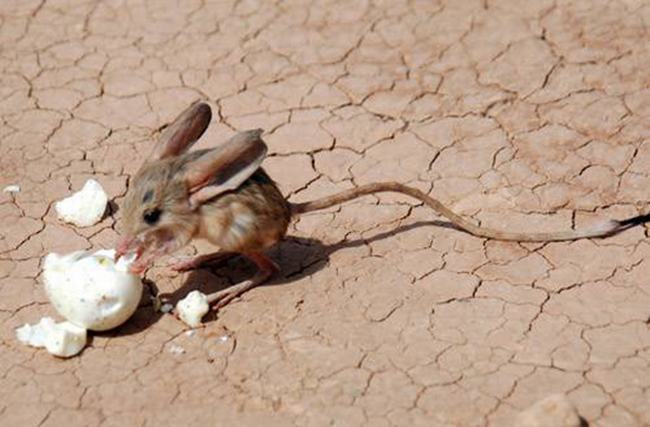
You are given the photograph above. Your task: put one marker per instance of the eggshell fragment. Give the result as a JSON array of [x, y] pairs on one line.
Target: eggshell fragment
[[62, 339], [85, 207], [90, 289], [192, 308]]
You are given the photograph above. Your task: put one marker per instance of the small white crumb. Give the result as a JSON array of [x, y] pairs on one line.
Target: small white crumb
[[223, 338], [85, 207], [192, 308], [62, 339], [176, 349], [166, 308], [190, 333], [11, 189]]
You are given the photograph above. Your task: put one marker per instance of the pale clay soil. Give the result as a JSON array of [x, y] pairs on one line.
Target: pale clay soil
[[527, 115]]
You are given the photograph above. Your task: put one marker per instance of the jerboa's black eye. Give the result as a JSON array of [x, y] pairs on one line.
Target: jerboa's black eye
[[151, 217]]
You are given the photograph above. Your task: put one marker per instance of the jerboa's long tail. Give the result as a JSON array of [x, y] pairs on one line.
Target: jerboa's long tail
[[606, 228]]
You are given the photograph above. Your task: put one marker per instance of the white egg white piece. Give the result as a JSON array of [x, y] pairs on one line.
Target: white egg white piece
[[62, 339], [166, 308], [192, 308], [85, 207], [11, 189], [90, 289]]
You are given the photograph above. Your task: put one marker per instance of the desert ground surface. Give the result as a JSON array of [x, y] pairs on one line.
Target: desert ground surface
[[523, 115]]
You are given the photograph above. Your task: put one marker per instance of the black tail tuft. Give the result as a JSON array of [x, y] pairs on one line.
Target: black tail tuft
[[635, 220]]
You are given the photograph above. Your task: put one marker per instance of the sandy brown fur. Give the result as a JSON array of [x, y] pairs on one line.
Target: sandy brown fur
[[252, 218]]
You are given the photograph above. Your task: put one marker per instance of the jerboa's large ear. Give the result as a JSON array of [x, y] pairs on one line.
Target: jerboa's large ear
[[226, 167], [179, 136]]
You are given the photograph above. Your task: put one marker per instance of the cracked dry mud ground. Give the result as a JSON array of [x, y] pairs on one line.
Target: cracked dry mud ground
[[530, 115]]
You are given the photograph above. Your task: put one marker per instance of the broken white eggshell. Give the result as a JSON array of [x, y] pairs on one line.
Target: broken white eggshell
[[192, 308], [90, 289], [62, 339], [85, 207]]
